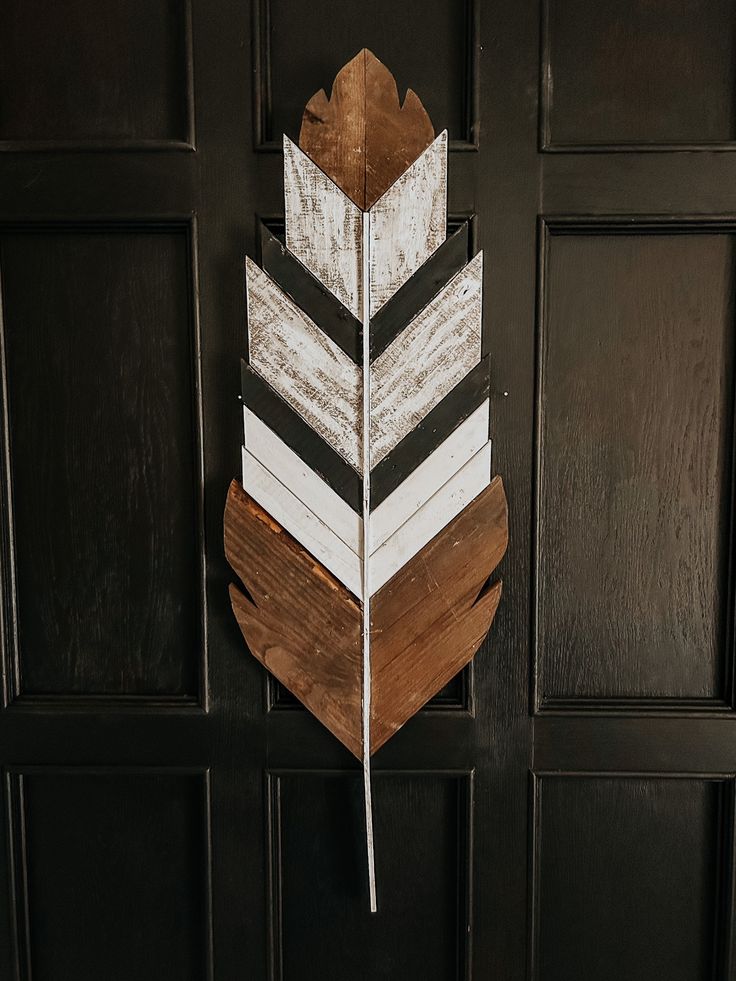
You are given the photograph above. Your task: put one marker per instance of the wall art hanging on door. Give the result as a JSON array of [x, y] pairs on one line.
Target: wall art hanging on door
[[367, 525]]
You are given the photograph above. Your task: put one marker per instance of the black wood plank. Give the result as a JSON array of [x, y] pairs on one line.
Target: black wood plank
[[418, 290], [436, 426], [319, 304], [300, 437]]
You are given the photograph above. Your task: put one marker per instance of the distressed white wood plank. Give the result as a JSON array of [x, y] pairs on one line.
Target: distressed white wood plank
[[285, 508], [434, 353], [469, 437], [262, 443], [431, 518], [323, 227], [304, 365], [408, 223]]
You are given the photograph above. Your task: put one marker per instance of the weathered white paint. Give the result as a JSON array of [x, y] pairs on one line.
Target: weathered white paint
[[408, 222], [469, 437], [304, 365], [323, 227], [431, 518], [262, 443], [317, 537], [366, 569], [434, 353], [290, 470]]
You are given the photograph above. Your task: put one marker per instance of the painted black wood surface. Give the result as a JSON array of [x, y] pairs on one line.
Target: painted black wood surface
[[566, 810]]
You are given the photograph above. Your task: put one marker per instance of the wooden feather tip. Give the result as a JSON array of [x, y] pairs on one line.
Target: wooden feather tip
[[362, 137]]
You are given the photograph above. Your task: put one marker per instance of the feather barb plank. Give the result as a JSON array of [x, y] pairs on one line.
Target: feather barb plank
[[366, 527]]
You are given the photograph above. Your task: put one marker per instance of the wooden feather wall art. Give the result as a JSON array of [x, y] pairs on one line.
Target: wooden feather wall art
[[367, 525]]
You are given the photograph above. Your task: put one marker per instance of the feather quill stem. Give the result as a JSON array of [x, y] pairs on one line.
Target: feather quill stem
[[366, 699]]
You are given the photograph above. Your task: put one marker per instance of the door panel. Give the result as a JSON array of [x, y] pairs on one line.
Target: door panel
[[93, 75], [423, 928], [301, 47], [632, 73], [103, 424], [595, 837], [111, 872], [635, 401]]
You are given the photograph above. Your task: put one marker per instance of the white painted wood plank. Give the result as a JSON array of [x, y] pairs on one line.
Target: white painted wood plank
[[434, 353], [408, 222], [262, 443], [469, 437], [285, 508], [304, 365], [323, 227], [431, 518]]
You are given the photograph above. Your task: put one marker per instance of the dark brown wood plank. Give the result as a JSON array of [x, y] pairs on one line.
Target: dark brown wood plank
[[362, 136]]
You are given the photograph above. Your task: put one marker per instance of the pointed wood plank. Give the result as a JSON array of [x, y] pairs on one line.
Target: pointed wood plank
[[428, 620], [438, 348], [299, 436], [398, 510], [304, 365], [410, 299], [301, 623], [408, 223], [431, 517], [428, 434], [321, 306], [328, 529], [291, 513], [432, 474], [324, 229], [362, 137], [291, 470]]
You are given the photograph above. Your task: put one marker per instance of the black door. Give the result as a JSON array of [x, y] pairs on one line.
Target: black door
[[565, 808]]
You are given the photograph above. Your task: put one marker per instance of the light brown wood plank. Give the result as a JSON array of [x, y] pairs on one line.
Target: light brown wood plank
[[428, 621], [302, 624]]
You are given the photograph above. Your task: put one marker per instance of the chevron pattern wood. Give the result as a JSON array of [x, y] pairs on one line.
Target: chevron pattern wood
[[366, 526], [304, 625]]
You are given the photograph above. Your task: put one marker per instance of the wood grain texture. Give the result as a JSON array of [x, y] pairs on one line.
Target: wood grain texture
[[636, 424], [396, 466], [438, 348], [299, 622], [362, 136], [411, 298], [290, 469], [430, 619], [324, 228], [311, 296], [305, 627], [304, 365], [398, 510], [428, 520], [322, 522], [408, 223], [299, 436], [616, 848], [102, 425], [431, 474], [307, 528], [428, 434]]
